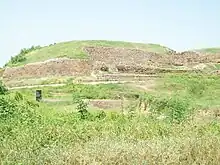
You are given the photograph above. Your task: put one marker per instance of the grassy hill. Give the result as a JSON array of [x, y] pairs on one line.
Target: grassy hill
[[73, 49], [209, 50]]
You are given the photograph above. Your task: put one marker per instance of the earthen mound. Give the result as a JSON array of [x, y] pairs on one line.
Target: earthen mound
[[56, 67]]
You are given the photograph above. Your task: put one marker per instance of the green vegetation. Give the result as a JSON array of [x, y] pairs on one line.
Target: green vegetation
[[70, 91], [209, 50], [73, 49], [202, 90], [174, 131], [21, 57], [3, 88]]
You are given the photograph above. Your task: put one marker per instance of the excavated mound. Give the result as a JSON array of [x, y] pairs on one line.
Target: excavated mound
[[124, 60], [55, 67], [111, 60], [138, 61]]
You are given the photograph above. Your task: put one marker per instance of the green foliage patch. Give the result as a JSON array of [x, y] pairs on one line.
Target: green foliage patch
[[21, 57], [3, 88]]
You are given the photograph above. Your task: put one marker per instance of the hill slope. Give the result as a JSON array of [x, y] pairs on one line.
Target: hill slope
[[73, 49], [209, 50]]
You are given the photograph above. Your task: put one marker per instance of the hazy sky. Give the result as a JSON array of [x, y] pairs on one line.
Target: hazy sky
[[178, 24]]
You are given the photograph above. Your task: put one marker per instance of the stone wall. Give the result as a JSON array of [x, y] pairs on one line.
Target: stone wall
[[55, 67]]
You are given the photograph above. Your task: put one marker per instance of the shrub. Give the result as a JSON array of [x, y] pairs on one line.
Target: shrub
[[8, 108], [3, 88], [82, 108], [17, 107]]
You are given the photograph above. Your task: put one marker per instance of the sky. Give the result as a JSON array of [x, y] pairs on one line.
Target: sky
[[178, 24]]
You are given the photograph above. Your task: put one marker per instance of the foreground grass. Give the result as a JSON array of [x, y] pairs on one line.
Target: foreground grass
[[33, 136], [32, 133], [73, 49]]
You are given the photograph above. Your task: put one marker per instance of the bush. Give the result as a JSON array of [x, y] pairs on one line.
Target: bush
[[16, 107], [8, 108], [82, 108], [3, 88]]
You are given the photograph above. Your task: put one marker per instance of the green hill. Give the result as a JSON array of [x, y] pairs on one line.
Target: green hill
[[73, 49], [209, 50]]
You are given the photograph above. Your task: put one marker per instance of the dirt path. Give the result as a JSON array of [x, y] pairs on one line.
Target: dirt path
[[57, 85], [36, 86]]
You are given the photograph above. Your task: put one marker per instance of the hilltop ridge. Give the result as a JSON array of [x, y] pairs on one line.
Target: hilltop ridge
[[74, 50]]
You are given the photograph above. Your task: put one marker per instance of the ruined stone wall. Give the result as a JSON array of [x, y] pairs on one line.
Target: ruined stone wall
[[55, 67]]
